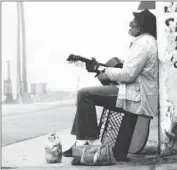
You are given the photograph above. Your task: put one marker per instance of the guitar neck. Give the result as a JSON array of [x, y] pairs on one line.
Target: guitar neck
[[89, 61]]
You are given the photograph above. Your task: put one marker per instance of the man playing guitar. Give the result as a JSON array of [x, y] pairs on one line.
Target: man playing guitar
[[137, 91]]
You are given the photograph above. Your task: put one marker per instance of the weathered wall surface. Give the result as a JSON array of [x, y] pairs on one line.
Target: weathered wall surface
[[167, 46]]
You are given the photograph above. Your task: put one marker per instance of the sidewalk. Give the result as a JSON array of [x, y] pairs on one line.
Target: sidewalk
[[25, 108], [31, 153]]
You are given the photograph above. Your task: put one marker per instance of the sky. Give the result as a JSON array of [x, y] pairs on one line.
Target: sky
[[56, 29]]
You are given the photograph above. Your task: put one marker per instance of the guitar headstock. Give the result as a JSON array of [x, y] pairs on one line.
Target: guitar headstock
[[73, 58]]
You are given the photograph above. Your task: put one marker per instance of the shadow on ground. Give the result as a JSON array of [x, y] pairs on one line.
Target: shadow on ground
[[149, 156]]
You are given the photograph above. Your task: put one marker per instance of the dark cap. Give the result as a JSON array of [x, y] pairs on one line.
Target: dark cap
[[147, 20]]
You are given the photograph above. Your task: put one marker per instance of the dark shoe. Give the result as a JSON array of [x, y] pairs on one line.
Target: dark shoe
[[68, 153]]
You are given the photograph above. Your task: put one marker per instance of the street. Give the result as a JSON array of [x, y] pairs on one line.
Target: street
[[20, 126]]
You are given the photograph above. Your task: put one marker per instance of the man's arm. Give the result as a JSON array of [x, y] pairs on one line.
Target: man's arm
[[132, 67]]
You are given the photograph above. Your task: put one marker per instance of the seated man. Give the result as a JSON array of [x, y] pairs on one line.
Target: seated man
[[138, 83]]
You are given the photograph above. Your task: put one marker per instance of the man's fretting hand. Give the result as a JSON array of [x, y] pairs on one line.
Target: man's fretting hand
[[93, 66]]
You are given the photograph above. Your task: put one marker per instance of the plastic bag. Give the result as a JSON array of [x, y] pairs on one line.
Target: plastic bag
[[53, 149]]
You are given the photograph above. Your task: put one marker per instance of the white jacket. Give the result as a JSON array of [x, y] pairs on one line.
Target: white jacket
[[138, 77]]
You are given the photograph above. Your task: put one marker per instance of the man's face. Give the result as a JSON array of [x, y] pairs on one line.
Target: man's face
[[135, 28]]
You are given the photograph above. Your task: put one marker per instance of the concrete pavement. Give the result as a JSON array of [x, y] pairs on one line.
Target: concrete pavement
[[31, 153]]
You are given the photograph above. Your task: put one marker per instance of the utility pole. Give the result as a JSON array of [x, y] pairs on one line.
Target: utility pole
[[24, 73], [22, 85], [8, 70], [19, 89]]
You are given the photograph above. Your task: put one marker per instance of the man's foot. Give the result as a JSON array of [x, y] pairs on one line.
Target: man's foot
[[68, 153]]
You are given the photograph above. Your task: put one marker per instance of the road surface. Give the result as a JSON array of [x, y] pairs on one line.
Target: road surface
[[20, 126]]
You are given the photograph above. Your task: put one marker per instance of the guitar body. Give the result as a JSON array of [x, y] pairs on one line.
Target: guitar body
[[140, 135], [113, 62]]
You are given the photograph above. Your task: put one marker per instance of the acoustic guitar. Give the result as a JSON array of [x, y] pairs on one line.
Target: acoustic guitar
[[141, 132], [113, 62]]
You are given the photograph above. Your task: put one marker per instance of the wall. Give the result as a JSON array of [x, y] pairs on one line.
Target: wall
[[167, 48]]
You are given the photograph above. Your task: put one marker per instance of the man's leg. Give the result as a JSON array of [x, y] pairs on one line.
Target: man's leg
[[85, 123]]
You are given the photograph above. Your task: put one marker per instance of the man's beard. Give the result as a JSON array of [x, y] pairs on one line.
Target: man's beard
[[134, 33]]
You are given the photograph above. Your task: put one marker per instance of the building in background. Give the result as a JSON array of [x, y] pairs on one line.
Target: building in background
[[8, 86], [38, 89]]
